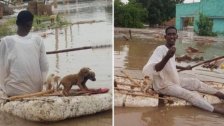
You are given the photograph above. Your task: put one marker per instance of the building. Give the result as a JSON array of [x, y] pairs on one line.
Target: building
[[1, 11], [214, 9]]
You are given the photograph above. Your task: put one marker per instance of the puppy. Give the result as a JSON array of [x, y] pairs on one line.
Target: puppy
[[77, 79], [52, 82], [146, 85]]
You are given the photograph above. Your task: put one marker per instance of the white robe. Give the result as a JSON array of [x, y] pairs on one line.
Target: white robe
[[23, 64], [167, 81], [168, 75]]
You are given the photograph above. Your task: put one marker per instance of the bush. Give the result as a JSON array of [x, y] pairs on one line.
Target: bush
[[205, 26], [5, 30], [129, 15], [8, 28]]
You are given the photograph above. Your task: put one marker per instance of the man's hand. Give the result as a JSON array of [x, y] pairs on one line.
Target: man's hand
[[171, 52], [159, 66]]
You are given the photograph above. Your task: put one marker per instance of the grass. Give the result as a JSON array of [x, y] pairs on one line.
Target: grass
[[46, 22], [9, 27]]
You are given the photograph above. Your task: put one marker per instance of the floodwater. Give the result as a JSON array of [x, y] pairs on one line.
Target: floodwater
[[166, 116], [133, 55], [99, 119], [98, 59]]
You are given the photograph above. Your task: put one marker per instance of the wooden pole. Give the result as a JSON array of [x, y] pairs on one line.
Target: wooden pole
[[129, 90], [30, 95], [136, 83], [207, 61], [156, 97], [124, 84], [130, 34], [76, 49]]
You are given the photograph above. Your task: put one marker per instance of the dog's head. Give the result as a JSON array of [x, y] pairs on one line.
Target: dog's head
[[84, 71], [91, 76], [87, 73]]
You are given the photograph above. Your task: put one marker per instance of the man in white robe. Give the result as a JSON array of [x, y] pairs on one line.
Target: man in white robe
[[23, 61], [162, 68]]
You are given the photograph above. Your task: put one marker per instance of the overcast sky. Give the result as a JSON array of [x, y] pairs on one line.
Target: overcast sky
[[190, 1], [186, 1]]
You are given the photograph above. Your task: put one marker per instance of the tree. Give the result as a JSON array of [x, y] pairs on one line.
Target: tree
[[205, 26], [129, 15], [159, 10]]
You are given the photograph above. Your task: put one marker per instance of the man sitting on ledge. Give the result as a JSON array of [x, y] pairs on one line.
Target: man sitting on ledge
[[23, 61], [162, 67]]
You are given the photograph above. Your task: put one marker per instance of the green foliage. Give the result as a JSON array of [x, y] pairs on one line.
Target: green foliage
[[205, 26], [39, 23], [159, 10], [42, 22], [129, 15], [7, 28]]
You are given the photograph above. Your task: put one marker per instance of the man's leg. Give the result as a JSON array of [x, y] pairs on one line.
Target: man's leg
[[219, 95], [194, 84], [192, 97]]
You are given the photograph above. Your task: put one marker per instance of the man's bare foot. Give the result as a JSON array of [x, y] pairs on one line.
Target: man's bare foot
[[219, 95]]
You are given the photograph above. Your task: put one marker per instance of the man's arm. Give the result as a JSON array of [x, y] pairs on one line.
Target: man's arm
[[44, 66], [159, 66], [4, 63]]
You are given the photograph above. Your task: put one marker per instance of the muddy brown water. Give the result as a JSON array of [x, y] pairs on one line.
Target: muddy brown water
[[166, 116], [99, 60], [99, 119], [133, 55]]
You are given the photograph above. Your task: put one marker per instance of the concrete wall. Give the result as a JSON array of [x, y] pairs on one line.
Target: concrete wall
[[185, 10], [214, 9], [218, 25]]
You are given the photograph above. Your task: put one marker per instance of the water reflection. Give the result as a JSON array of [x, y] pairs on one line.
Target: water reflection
[[100, 119], [166, 116], [56, 48], [84, 35], [134, 54]]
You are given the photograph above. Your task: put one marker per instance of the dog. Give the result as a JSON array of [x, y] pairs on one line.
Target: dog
[[52, 82], [79, 79], [146, 85]]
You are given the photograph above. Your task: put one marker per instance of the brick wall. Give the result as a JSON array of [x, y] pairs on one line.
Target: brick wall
[[38, 8]]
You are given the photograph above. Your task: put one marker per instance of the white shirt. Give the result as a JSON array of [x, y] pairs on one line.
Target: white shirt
[[168, 75], [23, 64]]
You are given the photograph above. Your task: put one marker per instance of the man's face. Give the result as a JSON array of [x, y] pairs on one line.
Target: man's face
[[171, 36], [27, 26]]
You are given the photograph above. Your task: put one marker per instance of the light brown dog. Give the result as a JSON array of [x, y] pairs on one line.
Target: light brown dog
[[77, 79], [52, 82], [146, 85]]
